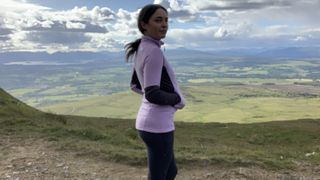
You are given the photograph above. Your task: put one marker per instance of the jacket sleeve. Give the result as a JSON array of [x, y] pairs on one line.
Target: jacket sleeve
[[157, 96], [152, 68], [152, 79]]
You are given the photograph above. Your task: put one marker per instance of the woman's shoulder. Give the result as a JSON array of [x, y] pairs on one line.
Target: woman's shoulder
[[150, 51]]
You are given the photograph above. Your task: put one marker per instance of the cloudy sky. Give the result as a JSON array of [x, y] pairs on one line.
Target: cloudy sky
[[106, 25]]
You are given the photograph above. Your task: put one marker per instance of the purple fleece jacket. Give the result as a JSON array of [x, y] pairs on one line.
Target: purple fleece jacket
[[148, 64]]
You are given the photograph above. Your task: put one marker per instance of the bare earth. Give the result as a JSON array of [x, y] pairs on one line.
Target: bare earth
[[37, 159]]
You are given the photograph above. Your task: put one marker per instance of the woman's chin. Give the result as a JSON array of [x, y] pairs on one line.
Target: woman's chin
[[163, 36]]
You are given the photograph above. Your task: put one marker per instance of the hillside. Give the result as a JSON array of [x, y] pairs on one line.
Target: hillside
[[288, 148], [12, 107]]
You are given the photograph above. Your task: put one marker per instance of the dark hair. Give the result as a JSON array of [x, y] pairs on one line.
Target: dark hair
[[144, 16]]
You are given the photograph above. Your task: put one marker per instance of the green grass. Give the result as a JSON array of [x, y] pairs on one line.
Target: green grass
[[246, 81], [207, 103], [118, 105], [9, 106], [274, 145], [22, 91]]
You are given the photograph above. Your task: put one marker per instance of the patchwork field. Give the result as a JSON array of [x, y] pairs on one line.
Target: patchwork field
[[212, 103], [217, 89]]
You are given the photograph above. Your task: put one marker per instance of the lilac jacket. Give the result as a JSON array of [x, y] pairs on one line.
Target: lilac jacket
[[148, 64]]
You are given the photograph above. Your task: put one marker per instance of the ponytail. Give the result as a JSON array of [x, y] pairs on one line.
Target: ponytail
[[132, 48]]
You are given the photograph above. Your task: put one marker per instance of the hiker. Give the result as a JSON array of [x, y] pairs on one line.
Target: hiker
[[154, 78]]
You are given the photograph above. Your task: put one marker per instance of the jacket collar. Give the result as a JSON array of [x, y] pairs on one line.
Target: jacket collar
[[150, 39]]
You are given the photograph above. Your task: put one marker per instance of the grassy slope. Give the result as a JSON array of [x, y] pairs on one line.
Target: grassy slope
[[271, 145], [241, 104], [11, 107]]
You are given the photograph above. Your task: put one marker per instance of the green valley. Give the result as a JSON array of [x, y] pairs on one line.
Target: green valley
[[212, 103]]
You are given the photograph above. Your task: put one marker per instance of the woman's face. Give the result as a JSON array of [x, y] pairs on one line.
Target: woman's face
[[157, 26]]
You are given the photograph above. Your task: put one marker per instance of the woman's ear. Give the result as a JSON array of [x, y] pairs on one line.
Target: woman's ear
[[143, 25]]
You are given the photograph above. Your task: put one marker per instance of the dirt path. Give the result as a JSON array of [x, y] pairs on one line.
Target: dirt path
[[35, 159]]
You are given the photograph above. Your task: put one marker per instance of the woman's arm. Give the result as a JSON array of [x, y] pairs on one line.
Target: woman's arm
[[157, 96], [152, 78]]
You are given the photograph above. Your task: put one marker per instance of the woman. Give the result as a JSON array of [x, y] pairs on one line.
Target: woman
[[154, 79]]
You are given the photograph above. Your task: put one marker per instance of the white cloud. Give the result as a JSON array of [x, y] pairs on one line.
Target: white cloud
[[184, 36], [18, 6], [4, 32], [100, 42], [178, 10], [237, 5], [51, 37], [200, 24], [77, 25], [300, 38], [210, 19], [126, 22], [30, 27], [273, 31]]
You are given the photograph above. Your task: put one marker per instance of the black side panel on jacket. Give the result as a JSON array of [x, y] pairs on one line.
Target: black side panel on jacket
[[166, 84], [135, 80]]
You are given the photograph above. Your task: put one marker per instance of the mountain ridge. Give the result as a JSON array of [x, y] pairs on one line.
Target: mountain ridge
[[283, 52]]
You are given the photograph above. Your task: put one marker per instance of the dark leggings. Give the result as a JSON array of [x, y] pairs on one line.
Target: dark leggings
[[161, 162]]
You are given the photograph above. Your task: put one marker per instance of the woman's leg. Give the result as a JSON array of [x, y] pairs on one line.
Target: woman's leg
[[160, 155], [173, 170]]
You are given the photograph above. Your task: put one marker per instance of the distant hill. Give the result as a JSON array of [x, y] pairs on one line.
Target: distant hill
[[282, 52], [291, 52], [179, 53], [60, 56], [12, 107]]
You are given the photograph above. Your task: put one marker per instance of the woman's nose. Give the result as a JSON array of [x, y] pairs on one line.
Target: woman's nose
[[164, 24]]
